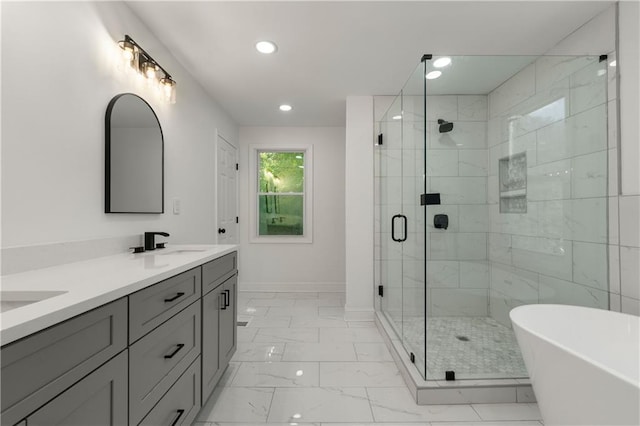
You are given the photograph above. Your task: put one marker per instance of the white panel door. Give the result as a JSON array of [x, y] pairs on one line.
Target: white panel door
[[227, 193]]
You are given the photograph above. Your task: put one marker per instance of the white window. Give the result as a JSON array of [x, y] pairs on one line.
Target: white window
[[281, 199]]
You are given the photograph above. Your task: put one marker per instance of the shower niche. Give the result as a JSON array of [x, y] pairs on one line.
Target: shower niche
[[512, 179]]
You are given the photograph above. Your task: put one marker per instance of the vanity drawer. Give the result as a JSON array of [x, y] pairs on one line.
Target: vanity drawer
[[150, 307], [217, 271], [159, 358], [39, 367], [181, 403]]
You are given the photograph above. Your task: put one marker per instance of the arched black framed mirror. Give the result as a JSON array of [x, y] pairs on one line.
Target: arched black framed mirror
[[134, 161]]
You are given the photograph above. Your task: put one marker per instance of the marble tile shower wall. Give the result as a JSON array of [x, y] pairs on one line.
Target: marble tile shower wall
[[457, 266], [555, 251]]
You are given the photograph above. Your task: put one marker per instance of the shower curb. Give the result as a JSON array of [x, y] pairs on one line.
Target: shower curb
[[436, 392]]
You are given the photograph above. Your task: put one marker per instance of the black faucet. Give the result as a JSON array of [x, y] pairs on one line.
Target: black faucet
[[149, 239]]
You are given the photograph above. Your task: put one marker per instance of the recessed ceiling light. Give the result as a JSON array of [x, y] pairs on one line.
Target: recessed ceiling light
[[442, 62], [266, 47], [433, 74], [285, 107]]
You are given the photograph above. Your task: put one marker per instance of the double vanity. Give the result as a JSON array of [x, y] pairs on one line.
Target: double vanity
[[130, 339]]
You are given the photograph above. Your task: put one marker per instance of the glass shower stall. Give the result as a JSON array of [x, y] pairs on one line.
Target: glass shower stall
[[491, 192]]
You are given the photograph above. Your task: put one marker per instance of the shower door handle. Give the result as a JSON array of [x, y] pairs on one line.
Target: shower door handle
[[393, 228]]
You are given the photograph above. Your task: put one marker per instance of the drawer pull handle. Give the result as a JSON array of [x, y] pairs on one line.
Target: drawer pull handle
[[180, 413], [224, 301], [227, 299], [172, 354], [177, 296]]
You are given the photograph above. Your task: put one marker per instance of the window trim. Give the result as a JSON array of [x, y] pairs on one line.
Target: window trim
[[307, 236]]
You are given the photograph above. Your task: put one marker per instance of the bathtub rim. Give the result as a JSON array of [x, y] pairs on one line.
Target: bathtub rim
[[518, 311]]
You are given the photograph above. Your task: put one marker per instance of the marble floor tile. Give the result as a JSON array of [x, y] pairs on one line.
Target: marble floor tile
[[246, 334], [319, 302], [277, 374], [254, 311], [261, 424], [508, 423], [320, 405], [317, 322], [526, 411], [256, 295], [397, 405], [229, 374], [265, 352], [372, 352], [287, 335], [360, 374], [331, 312], [319, 352], [293, 311], [272, 302], [297, 295], [269, 322], [361, 324], [229, 404], [368, 335]]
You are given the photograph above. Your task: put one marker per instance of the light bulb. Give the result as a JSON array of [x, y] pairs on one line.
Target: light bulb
[[285, 107]]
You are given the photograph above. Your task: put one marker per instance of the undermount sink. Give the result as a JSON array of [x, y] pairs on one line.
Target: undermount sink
[[182, 251], [15, 299]]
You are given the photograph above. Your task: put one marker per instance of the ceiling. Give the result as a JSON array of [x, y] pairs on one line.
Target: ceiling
[[328, 50]]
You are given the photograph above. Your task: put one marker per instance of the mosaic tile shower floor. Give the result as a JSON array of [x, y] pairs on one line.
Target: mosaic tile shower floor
[[473, 347]]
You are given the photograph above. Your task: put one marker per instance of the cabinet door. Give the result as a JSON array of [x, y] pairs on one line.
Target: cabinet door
[[228, 321], [211, 305], [98, 399]]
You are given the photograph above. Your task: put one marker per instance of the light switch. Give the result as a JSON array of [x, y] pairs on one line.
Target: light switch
[[176, 206]]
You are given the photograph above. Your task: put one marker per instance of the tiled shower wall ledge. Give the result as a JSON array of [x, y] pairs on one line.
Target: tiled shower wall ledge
[[26, 258], [427, 392]]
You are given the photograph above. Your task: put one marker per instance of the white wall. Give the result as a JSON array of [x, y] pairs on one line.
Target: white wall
[[320, 265], [58, 75], [359, 215]]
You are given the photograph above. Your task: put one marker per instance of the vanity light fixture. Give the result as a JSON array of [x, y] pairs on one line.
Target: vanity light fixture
[[285, 107], [138, 59]]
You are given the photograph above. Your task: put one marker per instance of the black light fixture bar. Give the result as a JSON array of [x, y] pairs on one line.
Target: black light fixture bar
[[147, 57]]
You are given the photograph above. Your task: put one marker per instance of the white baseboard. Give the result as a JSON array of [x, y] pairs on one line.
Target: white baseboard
[[302, 287], [358, 314]]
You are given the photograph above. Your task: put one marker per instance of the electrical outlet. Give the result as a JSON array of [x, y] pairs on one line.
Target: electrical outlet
[[176, 206]]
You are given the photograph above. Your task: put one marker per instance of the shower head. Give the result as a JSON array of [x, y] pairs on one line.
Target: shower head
[[445, 126]]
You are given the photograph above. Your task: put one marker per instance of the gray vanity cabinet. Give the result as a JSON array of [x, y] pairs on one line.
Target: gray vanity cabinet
[[98, 399], [219, 313], [150, 358]]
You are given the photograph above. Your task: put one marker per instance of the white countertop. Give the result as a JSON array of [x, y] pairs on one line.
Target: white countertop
[[93, 283]]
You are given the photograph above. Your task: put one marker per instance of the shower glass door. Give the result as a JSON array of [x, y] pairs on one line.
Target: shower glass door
[[401, 180], [517, 147]]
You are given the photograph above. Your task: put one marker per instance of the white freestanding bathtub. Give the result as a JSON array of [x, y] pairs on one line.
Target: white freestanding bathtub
[[583, 363]]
